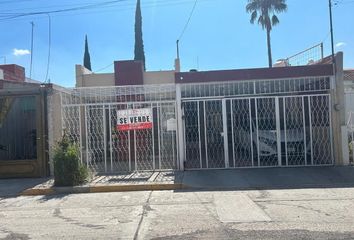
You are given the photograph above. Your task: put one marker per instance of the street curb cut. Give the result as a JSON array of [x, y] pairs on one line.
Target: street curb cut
[[102, 188]]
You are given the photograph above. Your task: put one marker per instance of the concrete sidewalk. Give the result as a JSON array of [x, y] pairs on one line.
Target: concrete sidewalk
[[209, 180], [14, 187]]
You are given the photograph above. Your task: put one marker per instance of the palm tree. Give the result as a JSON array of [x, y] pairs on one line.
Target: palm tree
[[264, 12]]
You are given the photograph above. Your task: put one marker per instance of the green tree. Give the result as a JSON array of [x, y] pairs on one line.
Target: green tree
[[263, 11], [87, 60], [139, 45]]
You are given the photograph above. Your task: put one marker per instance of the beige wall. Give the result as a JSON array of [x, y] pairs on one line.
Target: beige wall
[[1, 74], [85, 78], [159, 77]]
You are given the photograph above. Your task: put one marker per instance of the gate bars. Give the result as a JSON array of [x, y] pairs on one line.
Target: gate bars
[[89, 118], [105, 149], [218, 125], [260, 132]]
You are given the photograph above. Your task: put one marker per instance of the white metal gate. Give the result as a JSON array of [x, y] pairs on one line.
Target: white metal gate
[[258, 132], [90, 119]]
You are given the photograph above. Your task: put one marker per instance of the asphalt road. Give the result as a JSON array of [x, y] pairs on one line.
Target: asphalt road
[[326, 213]]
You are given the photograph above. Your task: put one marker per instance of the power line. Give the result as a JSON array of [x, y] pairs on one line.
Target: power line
[[64, 10], [109, 4], [101, 69], [188, 21]]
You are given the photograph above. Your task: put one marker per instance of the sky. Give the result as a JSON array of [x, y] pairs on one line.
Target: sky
[[218, 35]]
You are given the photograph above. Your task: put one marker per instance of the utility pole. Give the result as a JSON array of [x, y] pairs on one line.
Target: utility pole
[[49, 46], [331, 29], [32, 23], [177, 49]]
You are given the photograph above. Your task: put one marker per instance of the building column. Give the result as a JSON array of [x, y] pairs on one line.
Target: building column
[[180, 141], [340, 131]]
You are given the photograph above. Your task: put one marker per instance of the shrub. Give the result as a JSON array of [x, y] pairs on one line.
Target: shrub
[[68, 170]]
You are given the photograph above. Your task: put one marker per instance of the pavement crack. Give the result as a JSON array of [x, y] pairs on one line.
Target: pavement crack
[[302, 207], [224, 228], [58, 214], [146, 209]]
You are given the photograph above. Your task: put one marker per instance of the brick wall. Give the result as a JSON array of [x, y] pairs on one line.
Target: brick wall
[[13, 72]]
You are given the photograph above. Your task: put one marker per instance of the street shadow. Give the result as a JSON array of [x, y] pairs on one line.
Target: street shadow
[[50, 197], [12, 187], [268, 179]]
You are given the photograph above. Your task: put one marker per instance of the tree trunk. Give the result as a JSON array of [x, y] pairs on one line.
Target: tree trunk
[[269, 49]]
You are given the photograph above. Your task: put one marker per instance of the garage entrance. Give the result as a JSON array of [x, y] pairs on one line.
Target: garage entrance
[[267, 123], [258, 132]]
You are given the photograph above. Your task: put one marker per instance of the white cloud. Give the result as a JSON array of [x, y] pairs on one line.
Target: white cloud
[[20, 52], [340, 44]]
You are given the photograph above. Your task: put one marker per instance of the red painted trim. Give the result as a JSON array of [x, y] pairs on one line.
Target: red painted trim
[[134, 126], [254, 74], [128, 73]]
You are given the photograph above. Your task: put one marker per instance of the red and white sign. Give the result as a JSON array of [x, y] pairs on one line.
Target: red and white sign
[[134, 119]]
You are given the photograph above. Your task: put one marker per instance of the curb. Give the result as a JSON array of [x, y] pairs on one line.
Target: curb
[[102, 188]]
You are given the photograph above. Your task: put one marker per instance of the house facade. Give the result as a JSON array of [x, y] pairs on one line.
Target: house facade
[[133, 120]]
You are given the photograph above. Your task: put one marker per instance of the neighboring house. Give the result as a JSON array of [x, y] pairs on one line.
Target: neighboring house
[[12, 72], [348, 77], [22, 125]]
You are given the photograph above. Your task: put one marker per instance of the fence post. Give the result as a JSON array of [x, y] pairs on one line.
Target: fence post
[[180, 126]]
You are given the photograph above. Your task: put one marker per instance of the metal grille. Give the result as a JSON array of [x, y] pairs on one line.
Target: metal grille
[[257, 87], [214, 134], [95, 123], [261, 132], [123, 94], [309, 56], [192, 139], [243, 131], [71, 126], [106, 149], [321, 130], [120, 142], [166, 138], [266, 132], [294, 131], [242, 134]]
